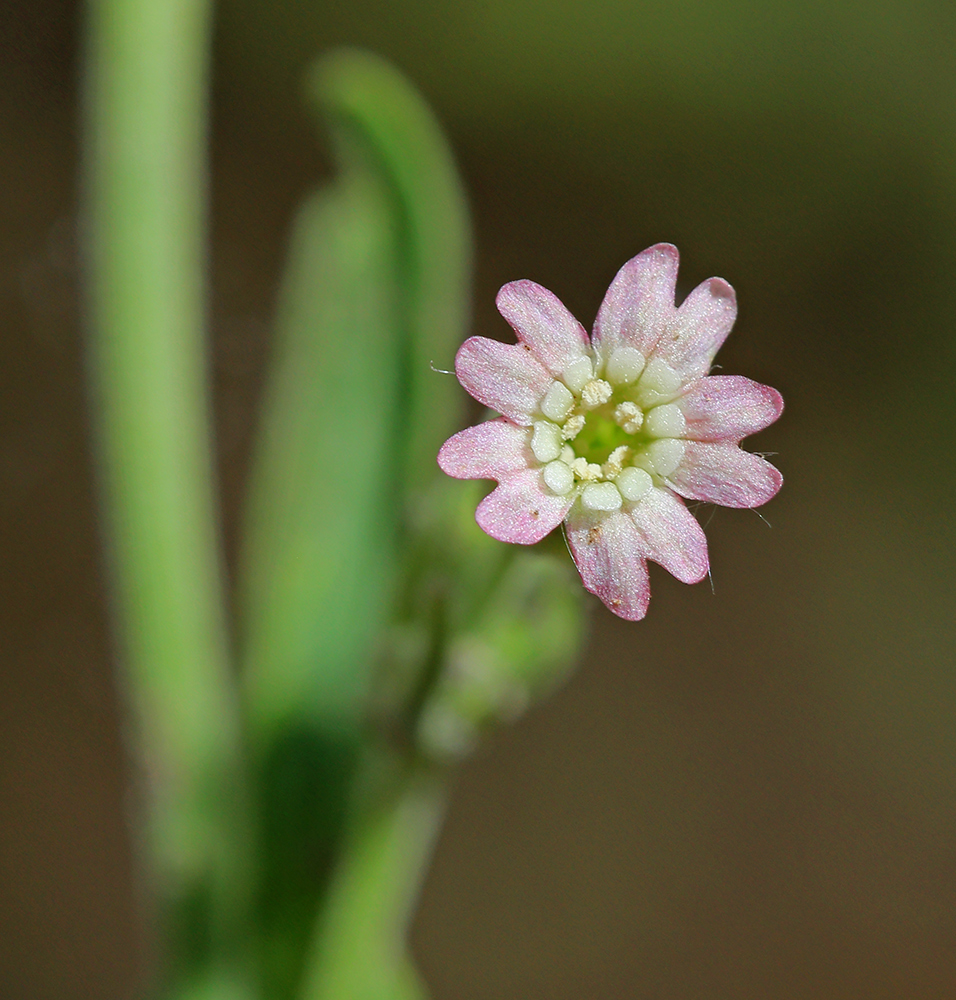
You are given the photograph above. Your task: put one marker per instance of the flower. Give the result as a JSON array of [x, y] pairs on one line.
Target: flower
[[609, 433]]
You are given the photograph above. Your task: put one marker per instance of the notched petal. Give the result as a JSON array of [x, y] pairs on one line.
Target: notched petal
[[505, 377], [639, 306], [541, 320], [672, 537], [703, 321], [728, 408], [486, 451], [726, 475], [521, 510], [609, 553]]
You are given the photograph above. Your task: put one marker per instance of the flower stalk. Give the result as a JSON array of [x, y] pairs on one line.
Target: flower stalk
[[361, 948]]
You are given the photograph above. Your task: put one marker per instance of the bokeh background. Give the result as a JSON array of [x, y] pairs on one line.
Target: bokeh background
[[752, 794]]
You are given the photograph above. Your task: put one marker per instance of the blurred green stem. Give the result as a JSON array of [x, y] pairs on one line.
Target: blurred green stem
[[361, 950], [145, 219]]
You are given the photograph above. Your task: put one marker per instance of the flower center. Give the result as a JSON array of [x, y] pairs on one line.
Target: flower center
[[610, 435], [600, 436]]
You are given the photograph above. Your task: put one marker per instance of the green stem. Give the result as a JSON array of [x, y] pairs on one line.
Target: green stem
[[145, 224], [361, 950]]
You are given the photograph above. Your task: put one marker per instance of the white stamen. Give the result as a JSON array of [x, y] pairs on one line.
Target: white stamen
[[546, 441], [666, 454], [634, 483], [585, 471], [577, 375], [615, 462], [567, 454], [601, 496], [558, 478], [624, 365], [629, 417], [665, 421], [595, 393], [557, 402], [572, 427], [658, 381]]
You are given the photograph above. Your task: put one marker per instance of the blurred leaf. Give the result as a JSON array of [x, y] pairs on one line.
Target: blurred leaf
[[145, 97], [354, 414], [374, 105], [353, 418], [320, 555]]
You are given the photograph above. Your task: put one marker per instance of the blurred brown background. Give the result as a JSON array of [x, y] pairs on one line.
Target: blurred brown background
[[752, 794]]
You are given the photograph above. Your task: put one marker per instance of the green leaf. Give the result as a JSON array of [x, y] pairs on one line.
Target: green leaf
[[354, 414], [145, 225], [320, 557], [320, 550], [376, 108], [353, 418]]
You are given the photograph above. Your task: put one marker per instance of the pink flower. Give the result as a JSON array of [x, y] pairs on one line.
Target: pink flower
[[609, 433]]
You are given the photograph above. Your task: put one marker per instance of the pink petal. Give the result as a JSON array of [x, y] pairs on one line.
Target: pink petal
[[728, 408], [521, 510], [610, 555], [486, 451], [672, 536], [702, 323], [541, 321], [725, 474], [505, 377], [639, 306]]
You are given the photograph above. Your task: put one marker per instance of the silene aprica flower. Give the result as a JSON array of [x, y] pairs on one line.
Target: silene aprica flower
[[611, 434]]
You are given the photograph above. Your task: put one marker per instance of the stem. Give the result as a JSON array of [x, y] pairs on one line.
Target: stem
[[145, 228], [361, 951]]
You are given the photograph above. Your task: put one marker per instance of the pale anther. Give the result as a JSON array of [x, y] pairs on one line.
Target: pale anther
[[559, 478], [665, 421], [572, 427], [567, 454], [557, 402], [624, 365], [595, 393], [634, 483], [577, 375], [585, 470], [615, 461], [601, 496], [629, 417], [666, 454], [546, 441]]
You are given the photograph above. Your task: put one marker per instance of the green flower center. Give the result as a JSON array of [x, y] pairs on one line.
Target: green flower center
[[601, 435], [610, 439]]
